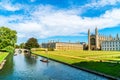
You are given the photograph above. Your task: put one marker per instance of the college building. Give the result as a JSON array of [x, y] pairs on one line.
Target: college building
[[113, 45], [95, 42], [100, 42], [63, 46]]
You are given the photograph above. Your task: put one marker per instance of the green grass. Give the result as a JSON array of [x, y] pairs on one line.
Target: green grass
[[3, 56], [107, 62]]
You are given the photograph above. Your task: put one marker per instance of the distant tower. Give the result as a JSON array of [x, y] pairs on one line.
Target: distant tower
[[96, 35], [88, 39]]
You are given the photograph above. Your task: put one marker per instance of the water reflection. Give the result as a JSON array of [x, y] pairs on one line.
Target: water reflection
[[30, 60], [22, 67]]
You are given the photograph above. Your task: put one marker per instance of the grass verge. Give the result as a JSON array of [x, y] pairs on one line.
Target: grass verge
[[3, 55], [107, 62]]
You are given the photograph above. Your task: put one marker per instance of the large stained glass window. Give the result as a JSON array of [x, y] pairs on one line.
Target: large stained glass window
[[92, 41]]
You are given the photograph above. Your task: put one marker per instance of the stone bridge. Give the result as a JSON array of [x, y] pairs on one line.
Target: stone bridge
[[22, 51]]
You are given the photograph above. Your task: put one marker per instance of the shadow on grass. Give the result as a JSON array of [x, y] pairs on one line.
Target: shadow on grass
[[108, 68]]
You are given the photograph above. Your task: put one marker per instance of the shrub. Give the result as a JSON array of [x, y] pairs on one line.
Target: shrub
[[50, 49], [9, 49]]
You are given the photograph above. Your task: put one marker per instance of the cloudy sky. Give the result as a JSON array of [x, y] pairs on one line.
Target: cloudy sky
[[61, 20]]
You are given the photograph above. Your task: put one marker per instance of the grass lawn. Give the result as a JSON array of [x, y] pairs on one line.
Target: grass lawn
[[3, 56], [107, 62]]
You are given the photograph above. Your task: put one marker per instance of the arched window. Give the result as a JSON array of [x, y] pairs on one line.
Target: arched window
[[92, 41]]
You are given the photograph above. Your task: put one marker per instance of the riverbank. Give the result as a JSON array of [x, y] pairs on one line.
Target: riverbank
[[3, 55], [87, 61]]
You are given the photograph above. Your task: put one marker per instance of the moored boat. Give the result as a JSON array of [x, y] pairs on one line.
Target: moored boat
[[44, 60]]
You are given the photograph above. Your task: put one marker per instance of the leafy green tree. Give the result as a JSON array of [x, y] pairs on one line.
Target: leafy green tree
[[31, 43], [17, 46], [8, 39], [22, 45]]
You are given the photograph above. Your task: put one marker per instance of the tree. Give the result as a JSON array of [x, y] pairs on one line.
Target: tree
[[8, 39], [31, 43], [16, 46], [22, 45]]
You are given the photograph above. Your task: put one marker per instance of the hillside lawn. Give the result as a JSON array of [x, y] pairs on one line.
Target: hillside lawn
[[3, 55], [107, 62]]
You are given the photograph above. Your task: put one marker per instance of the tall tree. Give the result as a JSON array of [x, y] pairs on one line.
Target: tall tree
[[31, 43], [8, 38], [16, 46], [22, 45]]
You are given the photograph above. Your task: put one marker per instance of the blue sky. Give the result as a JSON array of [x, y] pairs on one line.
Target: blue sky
[[61, 20]]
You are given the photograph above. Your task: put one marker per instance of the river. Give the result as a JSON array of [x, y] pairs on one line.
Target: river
[[20, 67]]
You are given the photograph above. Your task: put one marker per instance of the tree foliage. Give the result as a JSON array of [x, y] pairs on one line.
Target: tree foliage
[[8, 38], [16, 46], [31, 43], [22, 45]]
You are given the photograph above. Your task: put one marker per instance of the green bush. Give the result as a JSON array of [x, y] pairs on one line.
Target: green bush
[[50, 49], [9, 49]]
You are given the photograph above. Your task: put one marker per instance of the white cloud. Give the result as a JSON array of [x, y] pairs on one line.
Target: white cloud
[[19, 35], [7, 5], [47, 21], [100, 3], [11, 8], [61, 23], [32, 0]]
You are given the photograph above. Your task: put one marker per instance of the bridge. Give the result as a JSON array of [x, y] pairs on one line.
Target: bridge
[[22, 51]]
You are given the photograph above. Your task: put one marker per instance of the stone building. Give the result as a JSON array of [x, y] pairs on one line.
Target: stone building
[[63, 46], [95, 40], [111, 45]]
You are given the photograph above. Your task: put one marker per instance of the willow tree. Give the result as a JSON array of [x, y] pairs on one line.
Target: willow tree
[[8, 39]]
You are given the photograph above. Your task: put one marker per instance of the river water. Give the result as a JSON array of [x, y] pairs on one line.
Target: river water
[[26, 68]]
